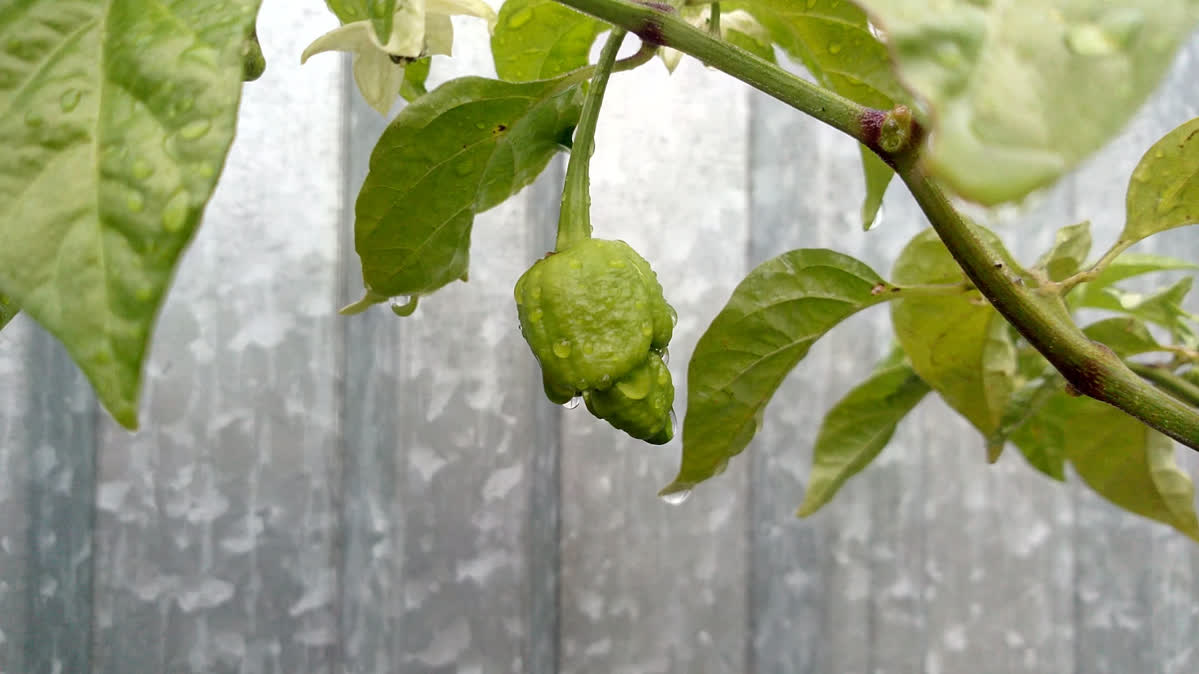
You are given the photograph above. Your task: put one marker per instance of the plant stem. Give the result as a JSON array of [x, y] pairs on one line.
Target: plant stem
[[1168, 381], [1089, 367], [574, 220], [659, 25], [1067, 284], [714, 20]]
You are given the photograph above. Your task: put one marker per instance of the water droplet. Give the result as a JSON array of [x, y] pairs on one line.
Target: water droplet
[[573, 402], [174, 214], [674, 317], [134, 201], [205, 55], [535, 293], [34, 119], [561, 348], [676, 496], [834, 48], [144, 293], [647, 329], [1089, 40], [666, 356], [520, 18], [205, 170], [404, 305], [616, 264], [141, 169], [70, 99], [195, 129], [535, 316], [588, 349]]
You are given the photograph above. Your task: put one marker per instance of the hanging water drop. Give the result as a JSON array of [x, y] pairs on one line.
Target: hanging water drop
[[404, 305], [562, 348], [70, 99], [573, 402], [676, 496]]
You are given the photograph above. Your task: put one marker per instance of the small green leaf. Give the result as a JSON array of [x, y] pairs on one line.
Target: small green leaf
[[878, 177], [1163, 307], [8, 309], [1164, 190], [415, 74], [381, 13], [118, 116], [956, 343], [767, 327], [1008, 84], [459, 150], [1125, 266], [1125, 335], [1070, 248], [833, 41], [857, 429], [540, 39]]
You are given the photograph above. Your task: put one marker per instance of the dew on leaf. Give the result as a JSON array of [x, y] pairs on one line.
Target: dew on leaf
[[404, 305], [834, 48], [573, 402], [676, 496], [141, 169], [535, 316], [174, 214], [520, 18], [134, 201], [195, 129], [70, 99]]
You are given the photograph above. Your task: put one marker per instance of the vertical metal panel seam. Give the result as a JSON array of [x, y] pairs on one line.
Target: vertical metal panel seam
[[751, 617], [338, 560]]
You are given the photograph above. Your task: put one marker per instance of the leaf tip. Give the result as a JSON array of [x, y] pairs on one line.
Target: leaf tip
[[368, 300]]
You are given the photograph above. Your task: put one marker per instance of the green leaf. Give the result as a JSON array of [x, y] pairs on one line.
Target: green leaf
[[1164, 190], [117, 120], [767, 327], [1125, 266], [349, 11], [1039, 444], [8, 309], [1124, 461], [748, 41], [1163, 307], [381, 13], [459, 150], [415, 74], [878, 177], [541, 39], [1125, 335], [833, 41], [958, 344], [1070, 248], [1011, 87], [857, 429]]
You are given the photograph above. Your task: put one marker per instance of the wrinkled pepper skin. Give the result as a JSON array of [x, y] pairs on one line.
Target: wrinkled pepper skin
[[593, 313], [639, 402]]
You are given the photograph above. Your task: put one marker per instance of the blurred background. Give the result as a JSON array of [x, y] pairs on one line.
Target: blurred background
[[317, 493]]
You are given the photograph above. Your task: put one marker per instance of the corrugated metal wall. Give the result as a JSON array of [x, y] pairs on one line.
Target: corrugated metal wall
[[313, 493]]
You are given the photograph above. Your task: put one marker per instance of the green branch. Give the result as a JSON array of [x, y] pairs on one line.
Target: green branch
[[659, 25], [1089, 367], [1169, 382]]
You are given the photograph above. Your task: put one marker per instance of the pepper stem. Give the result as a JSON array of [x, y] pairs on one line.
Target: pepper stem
[[574, 220]]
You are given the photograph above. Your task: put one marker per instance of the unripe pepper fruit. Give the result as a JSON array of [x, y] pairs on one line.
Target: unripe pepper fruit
[[591, 313]]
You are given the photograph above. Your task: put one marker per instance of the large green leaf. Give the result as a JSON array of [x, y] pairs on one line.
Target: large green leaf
[[8, 309], [767, 327], [833, 41], [958, 344], [117, 118], [857, 428], [460, 149], [1123, 460], [1038, 442], [540, 39], [1012, 86], [1125, 266], [1163, 307], [1164, 190]]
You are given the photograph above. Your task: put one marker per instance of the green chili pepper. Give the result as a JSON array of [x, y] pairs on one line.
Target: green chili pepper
[[594, 315]]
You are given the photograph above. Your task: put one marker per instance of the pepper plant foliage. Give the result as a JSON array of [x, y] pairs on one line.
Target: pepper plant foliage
[[119, 114]]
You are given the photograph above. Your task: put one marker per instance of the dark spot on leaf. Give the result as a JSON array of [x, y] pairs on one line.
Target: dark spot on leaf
[[879, 288], [500, 128], [999, 265]]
